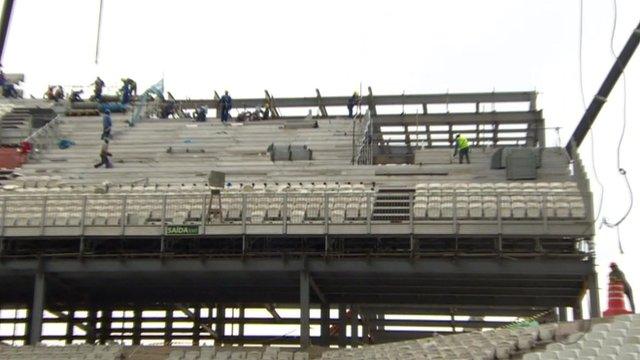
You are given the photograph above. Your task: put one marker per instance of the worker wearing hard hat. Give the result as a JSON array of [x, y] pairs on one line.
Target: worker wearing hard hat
[[352, 102], [461, 148], [616, 275]]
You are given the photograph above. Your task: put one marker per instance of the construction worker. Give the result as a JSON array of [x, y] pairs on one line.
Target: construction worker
[[267, 110], [126, 94], [616, 275], [104, 156], [461, 148], [352, 102], [75, 96], [226, 103], [98, 85], [59, 93], [133, 87], [106, 125], [201, 114]]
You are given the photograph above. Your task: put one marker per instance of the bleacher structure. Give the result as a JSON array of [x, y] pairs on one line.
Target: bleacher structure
[[380, 222]]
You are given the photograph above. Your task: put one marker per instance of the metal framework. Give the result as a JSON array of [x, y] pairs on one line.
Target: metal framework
[[81, 262], [188, 297]]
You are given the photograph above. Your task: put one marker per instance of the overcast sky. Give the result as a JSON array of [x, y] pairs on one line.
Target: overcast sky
[[292, 47]]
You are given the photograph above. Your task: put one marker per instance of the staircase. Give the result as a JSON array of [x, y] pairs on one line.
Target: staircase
[[392, 205]]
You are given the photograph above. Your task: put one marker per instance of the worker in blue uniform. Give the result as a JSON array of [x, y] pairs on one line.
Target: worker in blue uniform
[[352, 102], [226, 103]]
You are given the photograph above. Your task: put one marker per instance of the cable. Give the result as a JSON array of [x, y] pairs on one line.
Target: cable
[[584, 105], [621, 170]]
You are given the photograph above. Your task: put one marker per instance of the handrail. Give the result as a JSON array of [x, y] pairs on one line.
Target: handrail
[[364, 157], [35, 139]]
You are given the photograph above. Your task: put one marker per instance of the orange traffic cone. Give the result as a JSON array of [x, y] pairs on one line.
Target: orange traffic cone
[[616, 299]]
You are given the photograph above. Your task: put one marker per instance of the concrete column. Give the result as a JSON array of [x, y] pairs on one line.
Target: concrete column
[[304, 310], [594, 299], [342, 317], [37, 309], [355, 341], [325, 324]]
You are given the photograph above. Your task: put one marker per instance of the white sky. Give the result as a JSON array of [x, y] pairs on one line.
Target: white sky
[[292, 47]]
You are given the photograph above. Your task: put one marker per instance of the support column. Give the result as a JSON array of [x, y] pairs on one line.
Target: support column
[[168, 326], [594, 300], [577, 312], [354, 327], [220, 324], [37, 309], [195, 338], [137, 326], [92, 321], [562, 314], [69, 333], [342, 333], [304, 310], [105, 326], [241, 324], [325, 324]]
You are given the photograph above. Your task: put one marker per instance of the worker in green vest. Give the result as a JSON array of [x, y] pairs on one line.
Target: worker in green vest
[[461, 148]]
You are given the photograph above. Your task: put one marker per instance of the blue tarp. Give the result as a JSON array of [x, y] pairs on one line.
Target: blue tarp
[[113, 107]]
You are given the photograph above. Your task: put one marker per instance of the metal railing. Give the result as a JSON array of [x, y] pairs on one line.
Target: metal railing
[[286, 209], [44, 138], [364, 154]]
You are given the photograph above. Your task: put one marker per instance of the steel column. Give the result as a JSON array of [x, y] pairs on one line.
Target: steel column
[[325, 324], [342, 326], [220, 324], [594, 300], [37, 309], [4, 24], [354, 327], [304, 310]]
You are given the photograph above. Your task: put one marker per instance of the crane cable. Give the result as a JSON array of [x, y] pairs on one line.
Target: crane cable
[[584, 105], [622, 171], [99, 30]]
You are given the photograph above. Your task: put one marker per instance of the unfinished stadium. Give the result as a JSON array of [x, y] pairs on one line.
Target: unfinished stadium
[[358, 222], [280, 236]]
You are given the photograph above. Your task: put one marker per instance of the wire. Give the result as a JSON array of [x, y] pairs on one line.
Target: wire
[[584, 105], [621, 170]]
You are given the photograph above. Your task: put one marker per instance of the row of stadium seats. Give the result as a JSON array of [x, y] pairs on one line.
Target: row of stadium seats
[[487, 345], [619, 340], [140, 211], [71, 352], [498, 187], [517, 207], [211, 353]]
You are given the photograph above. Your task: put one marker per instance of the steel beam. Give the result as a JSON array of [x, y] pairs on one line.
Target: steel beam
[[378, 100], [7, 8], [323, 109], [598, 101], [196, 319], [37, 308], [316, 290], [352, 267]]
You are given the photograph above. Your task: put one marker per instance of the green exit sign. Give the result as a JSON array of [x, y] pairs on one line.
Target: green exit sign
[[183, 230]]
